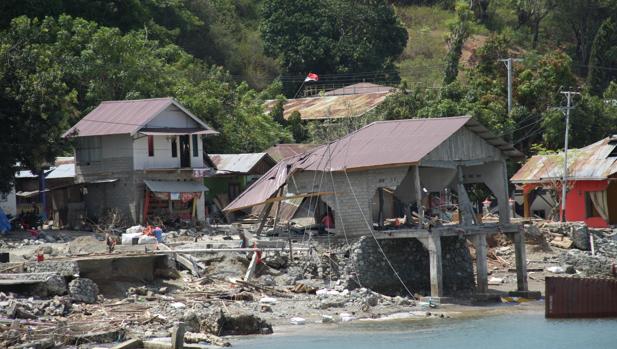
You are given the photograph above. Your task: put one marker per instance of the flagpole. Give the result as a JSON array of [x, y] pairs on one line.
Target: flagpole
[[303, 82]]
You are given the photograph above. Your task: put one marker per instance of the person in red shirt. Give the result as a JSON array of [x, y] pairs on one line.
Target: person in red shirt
[[327, 220]]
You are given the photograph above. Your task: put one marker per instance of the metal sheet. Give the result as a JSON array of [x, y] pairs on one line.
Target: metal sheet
[[580, 297], [122, 117], [279, 152], [593, 162], [175, 131], [330, 107], [175, 186], [238, 163], [381, 144]]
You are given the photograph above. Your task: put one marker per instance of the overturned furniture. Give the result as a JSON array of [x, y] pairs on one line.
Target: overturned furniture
[[419, 163]]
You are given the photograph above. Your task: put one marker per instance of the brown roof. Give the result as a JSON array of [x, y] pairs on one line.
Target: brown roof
[[279, 152], [362, 87], [120, 117], [381, 144], [593, 162], [330, 107]]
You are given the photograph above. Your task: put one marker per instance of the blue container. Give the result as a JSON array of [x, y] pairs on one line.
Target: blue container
[[158, 233]]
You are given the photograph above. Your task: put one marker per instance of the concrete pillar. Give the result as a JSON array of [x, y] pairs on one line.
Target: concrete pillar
[[479, 242], [418, 194], [434, 253], [521, 260]]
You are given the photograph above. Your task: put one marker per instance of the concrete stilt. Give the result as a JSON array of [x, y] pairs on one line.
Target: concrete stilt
[[521, 260], [434, 252], [479, 242]]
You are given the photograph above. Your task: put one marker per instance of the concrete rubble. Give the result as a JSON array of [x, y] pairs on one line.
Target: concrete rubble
[[68, 300]]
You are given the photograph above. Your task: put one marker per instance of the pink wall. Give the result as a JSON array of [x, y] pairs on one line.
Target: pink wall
[[575, 202]]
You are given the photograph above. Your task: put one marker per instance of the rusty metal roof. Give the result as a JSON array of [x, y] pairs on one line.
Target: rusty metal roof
[[380, 144], [330, 107], [362, 87], [125, 117], [238, 163], [593, 162], [279, 152]]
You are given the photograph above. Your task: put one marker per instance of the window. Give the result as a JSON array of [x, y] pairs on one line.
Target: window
[[590, 207], [150, 145], [195, 146], [174, 148], [88, 150]]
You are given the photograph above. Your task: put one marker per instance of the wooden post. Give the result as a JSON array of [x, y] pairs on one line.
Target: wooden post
[[177, 336], [521, 260], [146, 205], [251, 270], [479, 242], [278, 208], [526, 208], [194, 210], [263, 217], [434, 253], [380, 217], [418, 194]]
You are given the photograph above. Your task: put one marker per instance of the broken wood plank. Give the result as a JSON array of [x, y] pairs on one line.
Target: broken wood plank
[[251, 270], [177, 336], [184, 260]]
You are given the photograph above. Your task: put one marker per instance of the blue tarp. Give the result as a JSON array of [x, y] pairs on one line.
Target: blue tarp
[[5, 225]]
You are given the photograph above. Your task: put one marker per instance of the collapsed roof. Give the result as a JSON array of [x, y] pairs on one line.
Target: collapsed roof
[[381, 144]]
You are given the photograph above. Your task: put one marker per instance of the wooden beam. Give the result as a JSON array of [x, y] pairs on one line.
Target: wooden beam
[[418, 186], [479, 242]]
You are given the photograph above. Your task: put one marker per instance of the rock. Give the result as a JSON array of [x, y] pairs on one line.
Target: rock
[[372, 300], [192, 322], [56, 285], [163, 290], [20, 311], [332, 302], [222, 324], [564, 243], [83, 290], [579, 234], [327, 319], [297, 321], [276, 261], [570, 270], [268, 280]]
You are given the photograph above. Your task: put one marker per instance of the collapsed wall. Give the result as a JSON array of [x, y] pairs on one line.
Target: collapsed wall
[[411, 261]]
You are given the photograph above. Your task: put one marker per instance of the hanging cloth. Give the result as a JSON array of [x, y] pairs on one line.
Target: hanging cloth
[[600, 203]]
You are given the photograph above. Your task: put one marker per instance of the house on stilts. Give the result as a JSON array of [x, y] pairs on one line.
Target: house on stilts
[[416, 169]]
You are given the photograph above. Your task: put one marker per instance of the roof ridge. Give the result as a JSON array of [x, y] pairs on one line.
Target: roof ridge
[[137, 100]]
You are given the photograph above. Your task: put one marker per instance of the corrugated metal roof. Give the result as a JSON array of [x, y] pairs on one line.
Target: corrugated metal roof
[[62, 171], [175, 186], [279, 152], [121, 117], [330, 107], [593, 162], [237, 163], [362, 87], [380, 144]]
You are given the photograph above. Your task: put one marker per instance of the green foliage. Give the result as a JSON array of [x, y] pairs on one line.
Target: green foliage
[[459, 32], [603, 55], [333, 36], [297, 127], [55, 70]]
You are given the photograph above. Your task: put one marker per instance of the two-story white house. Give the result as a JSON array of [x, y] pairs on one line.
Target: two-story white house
[[144, 157]]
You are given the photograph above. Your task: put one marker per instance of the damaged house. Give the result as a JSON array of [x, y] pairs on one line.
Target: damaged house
[[412, 162], [591, 184], [143, 157]]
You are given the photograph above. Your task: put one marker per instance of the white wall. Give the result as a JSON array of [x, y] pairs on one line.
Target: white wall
[[8, 202], [162, 153], [172, 117]]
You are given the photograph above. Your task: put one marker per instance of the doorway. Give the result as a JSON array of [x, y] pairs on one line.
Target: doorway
[[185, 151]]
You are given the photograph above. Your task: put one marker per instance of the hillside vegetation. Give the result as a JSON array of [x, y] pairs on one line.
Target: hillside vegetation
[[222, 58]]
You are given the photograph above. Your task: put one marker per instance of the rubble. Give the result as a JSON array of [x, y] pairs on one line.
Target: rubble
[[83, 290]]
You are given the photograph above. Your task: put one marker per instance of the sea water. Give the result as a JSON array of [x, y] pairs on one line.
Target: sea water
[[520, 330]]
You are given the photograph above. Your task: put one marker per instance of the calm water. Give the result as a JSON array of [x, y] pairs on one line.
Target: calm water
[[500, 332]]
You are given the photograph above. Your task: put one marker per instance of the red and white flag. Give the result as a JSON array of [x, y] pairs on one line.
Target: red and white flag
[[311, 77]]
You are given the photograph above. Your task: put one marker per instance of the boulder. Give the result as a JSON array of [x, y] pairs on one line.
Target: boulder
[[222, 324], [83, 290]]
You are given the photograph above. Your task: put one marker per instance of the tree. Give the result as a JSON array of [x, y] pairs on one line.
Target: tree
[[603, 57], [531, 13], [459, 32], [297, 127], [332, 36], [54, 70]]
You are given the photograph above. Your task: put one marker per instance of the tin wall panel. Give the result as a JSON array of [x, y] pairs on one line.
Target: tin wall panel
[[580, 297]]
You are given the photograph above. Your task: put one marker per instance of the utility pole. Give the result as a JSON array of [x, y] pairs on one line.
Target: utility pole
[[509, 66], [564, 181]]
